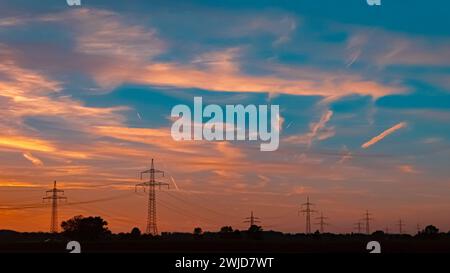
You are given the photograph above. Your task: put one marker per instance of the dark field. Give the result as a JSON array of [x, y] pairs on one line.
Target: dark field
[[295, 244]]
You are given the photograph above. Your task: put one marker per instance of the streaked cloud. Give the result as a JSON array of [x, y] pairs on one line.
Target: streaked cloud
[[132, 59], [36, 161], [228, 77], [25, 143], [318, 131], [387, 48], [384, 134]]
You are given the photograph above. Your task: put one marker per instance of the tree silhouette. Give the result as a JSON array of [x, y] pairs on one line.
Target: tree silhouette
[[198, 232], [255, 232], [255, 229], [85, 228], [430, 230], [379, 233], [135, 232], [227, 232], [226, 229]]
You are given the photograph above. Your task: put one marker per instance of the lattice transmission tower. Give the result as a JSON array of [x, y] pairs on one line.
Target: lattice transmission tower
[[152, 227], [306, 208], [54, 197]]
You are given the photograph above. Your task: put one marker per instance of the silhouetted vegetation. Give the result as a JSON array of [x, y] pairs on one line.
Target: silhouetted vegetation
[[135, 233], [430, 232], [85, 228], [198, 232], [94, 235], [255, 232]]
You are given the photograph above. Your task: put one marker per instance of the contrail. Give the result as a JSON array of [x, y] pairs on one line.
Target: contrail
[[384, 134], [319, 125], [289, 125], [174, 183], [34, 160]]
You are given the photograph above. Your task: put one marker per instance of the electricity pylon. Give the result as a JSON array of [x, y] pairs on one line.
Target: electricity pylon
[[358, 227], [322, 222], [400, 226], [152, 227], [252, 220], [367, 220], [54, 197], [307, 210]]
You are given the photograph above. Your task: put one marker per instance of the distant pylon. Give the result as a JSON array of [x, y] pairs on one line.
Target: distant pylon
[[252, 220], [358, 227], [152, 227], [54, 197], [307, 210], [418, 228], [367, 220], [400, 226], [322, 222], [386, 230]]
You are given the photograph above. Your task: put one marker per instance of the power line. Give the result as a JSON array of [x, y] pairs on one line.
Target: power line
[[107, 216], [197, 205], [151, 209], [24, 207], [54, 197], [187, 214], [119, 196], [40, 205]]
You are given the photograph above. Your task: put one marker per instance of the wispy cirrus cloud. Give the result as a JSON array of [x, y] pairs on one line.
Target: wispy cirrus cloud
[[318, 131], [106, 33], [384, 134], [231, 78], [386, 48], [132, 58]]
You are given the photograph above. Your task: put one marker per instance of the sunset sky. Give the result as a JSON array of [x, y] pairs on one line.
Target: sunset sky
[[364, 95]]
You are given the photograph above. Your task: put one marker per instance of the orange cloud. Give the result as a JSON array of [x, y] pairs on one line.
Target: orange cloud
[[132, 60], [227, 78], [132, 55], [36, 161], [384, 134], [24, 143]]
